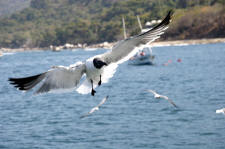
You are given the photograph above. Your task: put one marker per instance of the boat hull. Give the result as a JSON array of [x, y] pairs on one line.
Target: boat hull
[[147, 60]]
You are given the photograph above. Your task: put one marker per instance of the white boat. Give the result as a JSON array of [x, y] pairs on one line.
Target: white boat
[[142, 57]]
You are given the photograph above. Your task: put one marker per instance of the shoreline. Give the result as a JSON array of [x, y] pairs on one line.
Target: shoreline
[[188, 42], [107, 45]]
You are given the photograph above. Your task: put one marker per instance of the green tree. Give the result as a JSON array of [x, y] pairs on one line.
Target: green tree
[[39, 4]]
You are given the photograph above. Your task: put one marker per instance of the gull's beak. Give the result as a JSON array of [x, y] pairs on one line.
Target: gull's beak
[[105, 64]]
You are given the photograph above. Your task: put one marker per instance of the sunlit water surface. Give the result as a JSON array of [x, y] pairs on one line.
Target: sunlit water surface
[[131, 118]]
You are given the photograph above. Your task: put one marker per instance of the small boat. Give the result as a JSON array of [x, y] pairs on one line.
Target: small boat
[[1, 54], [142, 57]]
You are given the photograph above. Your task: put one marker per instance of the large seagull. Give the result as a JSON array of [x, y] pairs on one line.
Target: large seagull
[[98, 69]]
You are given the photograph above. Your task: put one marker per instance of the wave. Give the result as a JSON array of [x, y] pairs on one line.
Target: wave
[[8, 53], [92, 49], [175, 45]]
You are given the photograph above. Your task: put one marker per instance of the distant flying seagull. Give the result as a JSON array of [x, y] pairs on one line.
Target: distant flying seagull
[[157, 96], [221, 111], [98, 69], [95, 108]]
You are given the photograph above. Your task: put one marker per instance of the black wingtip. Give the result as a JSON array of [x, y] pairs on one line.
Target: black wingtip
[[170, 14], [166, 20], [25, 83]]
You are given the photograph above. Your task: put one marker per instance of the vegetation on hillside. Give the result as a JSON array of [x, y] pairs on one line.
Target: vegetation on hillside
[[56, 22], [199, 22], [10, 6]]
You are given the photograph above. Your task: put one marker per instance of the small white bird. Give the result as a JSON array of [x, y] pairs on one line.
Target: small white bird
[[157, 96], [221, 111], [95, 108]]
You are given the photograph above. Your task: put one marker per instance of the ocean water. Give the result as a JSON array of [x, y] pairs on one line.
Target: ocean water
[[131, 118]]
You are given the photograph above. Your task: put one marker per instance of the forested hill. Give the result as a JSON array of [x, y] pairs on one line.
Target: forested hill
[[10, 6], [56, 22]]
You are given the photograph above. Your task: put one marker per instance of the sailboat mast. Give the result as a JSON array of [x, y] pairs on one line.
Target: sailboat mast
[[124, 29], [139, 22]]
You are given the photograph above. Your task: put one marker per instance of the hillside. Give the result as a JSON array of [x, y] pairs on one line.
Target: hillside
[[56, 22], [197, 23], [10, 6]]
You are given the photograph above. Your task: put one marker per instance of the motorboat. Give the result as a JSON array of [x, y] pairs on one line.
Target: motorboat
[[142, 57]]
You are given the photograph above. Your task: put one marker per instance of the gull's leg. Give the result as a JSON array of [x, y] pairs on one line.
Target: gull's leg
[[92, 90], [100, 81]]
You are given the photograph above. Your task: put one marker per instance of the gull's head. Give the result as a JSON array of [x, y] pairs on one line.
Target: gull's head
[[98, 63]]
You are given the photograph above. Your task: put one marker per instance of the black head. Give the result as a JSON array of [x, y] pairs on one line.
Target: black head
[[98, 63]]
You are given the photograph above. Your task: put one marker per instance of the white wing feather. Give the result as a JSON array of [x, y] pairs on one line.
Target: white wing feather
[[151, 91], [108, 72], [96, 107], [125, 49], [85, 87], [61, 77]]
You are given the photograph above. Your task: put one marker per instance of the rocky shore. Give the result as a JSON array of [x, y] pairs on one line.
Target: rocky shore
[[107, 45]]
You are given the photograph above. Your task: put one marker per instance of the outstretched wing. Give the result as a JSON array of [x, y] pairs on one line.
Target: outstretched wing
[[96, 107], [151, 91], [90, 112], [170, 101], [126, 48], [103, 101], [59, 77]]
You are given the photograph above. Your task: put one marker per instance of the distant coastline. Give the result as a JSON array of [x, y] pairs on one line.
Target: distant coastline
[[188, 42], [107, 45]]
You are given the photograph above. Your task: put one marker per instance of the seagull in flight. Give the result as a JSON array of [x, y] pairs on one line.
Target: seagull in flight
[[221, 111], [97, 70], [95, 108], [157, 96]]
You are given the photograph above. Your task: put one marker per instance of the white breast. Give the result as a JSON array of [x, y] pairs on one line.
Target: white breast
[[92, 72]]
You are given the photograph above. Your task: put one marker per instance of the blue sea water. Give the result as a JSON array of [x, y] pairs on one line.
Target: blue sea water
[[131, 118]]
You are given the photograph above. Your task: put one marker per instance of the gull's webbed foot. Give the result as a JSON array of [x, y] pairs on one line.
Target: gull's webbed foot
[[99, 83], [93, 92]]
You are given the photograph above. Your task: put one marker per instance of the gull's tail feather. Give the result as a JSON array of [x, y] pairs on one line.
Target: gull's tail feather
[[26, 83]]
